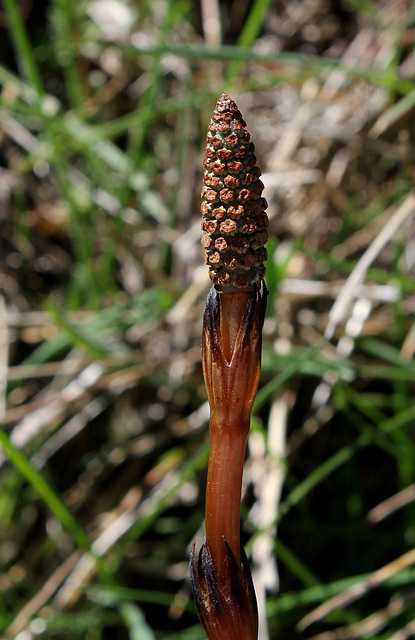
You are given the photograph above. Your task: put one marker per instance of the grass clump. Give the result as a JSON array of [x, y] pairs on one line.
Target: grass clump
[[103, 113]]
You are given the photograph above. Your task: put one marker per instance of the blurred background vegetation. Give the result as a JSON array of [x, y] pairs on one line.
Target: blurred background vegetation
[[104, 107]]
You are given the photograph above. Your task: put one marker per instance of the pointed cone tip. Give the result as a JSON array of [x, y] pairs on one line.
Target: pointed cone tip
[[225, 103]]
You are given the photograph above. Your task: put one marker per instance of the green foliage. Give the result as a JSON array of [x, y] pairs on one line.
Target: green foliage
[[103, 113]]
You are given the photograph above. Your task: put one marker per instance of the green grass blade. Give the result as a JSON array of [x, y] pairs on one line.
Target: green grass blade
[[45, 492], [319, 593], [23, 46], [319, 474], [191, 633], [135, 621], [65, 43], [385, 78], [19, 87], [75, 336], [188, 470], [249, 33], [291, 369], [295, 565]]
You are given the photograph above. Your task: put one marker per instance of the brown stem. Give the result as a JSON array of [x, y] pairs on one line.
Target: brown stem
[[223, 492], [234, 234], [228, 435]]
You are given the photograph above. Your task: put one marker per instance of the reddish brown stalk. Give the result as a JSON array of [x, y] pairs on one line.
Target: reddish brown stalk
[[234, 225], [223, 492], [228, 435]]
